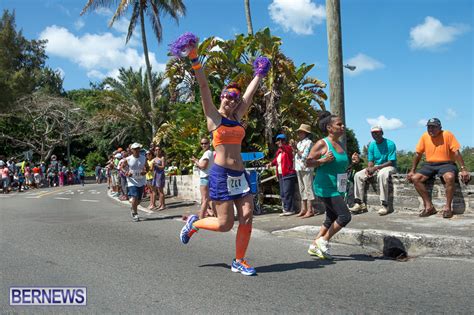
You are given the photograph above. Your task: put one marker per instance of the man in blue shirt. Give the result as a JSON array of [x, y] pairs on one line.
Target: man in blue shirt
[[382, 157]]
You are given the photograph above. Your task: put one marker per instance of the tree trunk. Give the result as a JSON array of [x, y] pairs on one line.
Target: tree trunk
[[336, 78], [270, 117], [249, 17], [148, 73]]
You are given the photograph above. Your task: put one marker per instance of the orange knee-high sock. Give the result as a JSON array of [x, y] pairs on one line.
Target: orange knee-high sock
[[211, 224], [242, 240]]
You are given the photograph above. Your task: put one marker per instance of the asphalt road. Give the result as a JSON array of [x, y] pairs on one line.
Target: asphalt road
[[79, 237]]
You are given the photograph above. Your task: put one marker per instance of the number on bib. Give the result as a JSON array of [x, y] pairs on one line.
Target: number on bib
[[341, 182], [237, 185]]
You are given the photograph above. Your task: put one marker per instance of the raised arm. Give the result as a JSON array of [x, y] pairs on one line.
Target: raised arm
[[186, 45], [261, 67], [208, 106]]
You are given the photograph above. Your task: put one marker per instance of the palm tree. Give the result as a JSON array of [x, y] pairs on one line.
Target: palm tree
[[127, 104], [285, 99], [249, 17], [175, 8]]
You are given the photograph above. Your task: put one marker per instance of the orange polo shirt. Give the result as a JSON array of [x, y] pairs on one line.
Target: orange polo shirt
[[438, 149]]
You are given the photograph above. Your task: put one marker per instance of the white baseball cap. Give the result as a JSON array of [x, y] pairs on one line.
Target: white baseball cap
[[118, 156], [136, 146], [376, 128]]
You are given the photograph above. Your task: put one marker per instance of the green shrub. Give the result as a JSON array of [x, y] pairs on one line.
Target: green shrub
[[93, 159]]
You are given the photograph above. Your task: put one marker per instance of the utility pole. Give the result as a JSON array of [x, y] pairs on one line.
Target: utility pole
[[336, 77]]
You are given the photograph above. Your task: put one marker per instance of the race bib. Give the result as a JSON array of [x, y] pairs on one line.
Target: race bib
[[137, 174], [341, 182], [237, 185]]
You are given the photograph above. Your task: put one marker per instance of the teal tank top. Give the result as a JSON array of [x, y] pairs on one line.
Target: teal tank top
[[325, 179]]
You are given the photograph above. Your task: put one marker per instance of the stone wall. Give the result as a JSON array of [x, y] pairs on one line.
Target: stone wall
[[184, 186], [403, 196]]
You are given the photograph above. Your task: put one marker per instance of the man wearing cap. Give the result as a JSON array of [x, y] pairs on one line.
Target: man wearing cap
[[285, 172], [441, 150], [304, 174], [137, 169], [382, 162]]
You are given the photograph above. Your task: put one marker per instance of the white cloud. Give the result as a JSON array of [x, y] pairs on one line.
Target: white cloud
[[61, 72], [95, 74], [79, 24], [386, 123], [451, 114], [121, 25], [100, 54], [299, 16], [432, 34], [422, 122], [363, 63], [104, 11]]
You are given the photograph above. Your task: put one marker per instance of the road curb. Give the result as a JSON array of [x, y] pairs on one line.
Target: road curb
[[415, 244]]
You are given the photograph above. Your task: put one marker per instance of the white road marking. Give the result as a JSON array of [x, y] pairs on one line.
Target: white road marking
[[62, 198], [88, 200], [36, 193], [6, 196], [29, 197], [81, 193]]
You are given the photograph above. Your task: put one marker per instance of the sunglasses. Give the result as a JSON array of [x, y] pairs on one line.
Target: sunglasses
[[230, 94], [202, 143]]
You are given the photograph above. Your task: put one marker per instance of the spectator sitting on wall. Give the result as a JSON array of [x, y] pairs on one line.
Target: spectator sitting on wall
[[441, 150], [382, 157]]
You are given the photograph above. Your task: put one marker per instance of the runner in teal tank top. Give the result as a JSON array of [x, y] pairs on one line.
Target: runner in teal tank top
[[325, 182], [330, 161]]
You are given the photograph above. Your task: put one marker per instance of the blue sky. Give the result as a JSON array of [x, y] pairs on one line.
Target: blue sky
[[414, 58]]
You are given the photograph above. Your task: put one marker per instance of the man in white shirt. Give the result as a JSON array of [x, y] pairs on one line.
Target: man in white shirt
[[137, 169]]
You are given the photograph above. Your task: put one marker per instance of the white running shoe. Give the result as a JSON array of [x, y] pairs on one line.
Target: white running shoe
[[358, 207], [315, 251], [383, 210], [323, 246]]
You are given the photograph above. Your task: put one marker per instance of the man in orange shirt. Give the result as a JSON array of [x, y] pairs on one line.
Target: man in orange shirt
[[441, 151]]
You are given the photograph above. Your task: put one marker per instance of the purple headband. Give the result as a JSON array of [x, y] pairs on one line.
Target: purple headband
[[183, 45]]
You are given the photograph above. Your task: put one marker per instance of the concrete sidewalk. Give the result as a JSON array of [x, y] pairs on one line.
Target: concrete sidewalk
[[432, 236]]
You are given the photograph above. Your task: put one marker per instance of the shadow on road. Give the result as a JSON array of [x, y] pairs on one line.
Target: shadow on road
[[179, 204], [170, 217], [357, 257], [309, 264]]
